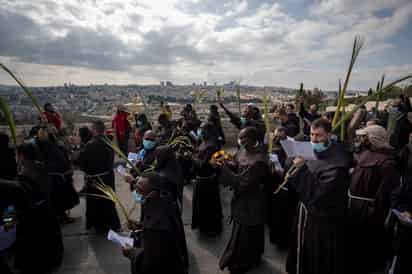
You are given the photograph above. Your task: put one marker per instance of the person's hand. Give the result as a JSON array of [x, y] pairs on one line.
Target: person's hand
[[133, 225], [129, 179], [214, 163], [10, 225], [406, 214], [298, 161], [127, 251]]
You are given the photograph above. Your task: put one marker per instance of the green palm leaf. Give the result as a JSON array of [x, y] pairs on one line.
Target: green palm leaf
[[368, 98], [9, 119], [25, 89], [357, 46]]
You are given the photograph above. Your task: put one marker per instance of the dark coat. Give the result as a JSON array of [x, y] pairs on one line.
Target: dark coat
[[8, 167], [207, 207], [321, 186], [374, 177], [96, 160], [259, 124], [38, 222], [308, 118], [249, 203], [60, 174], [292, 128], [164, 244], [248, 209]]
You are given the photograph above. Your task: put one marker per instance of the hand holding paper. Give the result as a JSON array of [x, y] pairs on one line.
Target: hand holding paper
[[298, 149], [120, 240]]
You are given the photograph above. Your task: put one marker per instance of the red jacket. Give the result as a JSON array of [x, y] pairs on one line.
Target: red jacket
[[121, 125], [53, 118]]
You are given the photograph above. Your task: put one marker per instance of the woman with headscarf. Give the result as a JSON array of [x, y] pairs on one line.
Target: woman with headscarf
[[207, 207]]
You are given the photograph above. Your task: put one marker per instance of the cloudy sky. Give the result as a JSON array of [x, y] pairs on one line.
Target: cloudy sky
[[259, 42]]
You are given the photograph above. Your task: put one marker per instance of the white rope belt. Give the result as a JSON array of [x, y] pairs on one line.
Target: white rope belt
[[359, 198], [87, 176]]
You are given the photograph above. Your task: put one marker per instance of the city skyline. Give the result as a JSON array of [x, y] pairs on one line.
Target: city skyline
[[260, 43]]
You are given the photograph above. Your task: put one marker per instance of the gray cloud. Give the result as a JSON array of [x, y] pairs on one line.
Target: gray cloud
[[30, 42]]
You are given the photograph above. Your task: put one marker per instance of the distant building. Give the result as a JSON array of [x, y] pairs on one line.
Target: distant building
[[162, 83], [169, 84], [205, 84]]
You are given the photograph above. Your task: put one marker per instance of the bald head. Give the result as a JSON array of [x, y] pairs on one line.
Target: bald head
[[248, 137]]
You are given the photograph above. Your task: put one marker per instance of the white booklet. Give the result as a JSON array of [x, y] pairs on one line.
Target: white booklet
[[298, 149], [118, 239]]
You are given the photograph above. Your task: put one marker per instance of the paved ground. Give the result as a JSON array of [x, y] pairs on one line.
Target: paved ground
[[88, 253]]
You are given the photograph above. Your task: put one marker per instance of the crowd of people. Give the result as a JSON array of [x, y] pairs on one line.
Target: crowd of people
[[347, 211]]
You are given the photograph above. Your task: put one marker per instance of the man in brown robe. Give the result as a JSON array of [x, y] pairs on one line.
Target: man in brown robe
[[96, 160], [317, 245], [247, 175], [373, 179], [161, 249]]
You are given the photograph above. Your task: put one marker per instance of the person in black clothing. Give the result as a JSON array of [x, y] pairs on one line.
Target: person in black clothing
[[59, 171], [248, 175], [317, 245], [207, 207], [400, 127], [38, 222], [142, 125], [308, 116], [282, 207], [402, 201], [85, 136], [250, 117], [189, 117], [292, 129], [162, 249], [96, 160], [8, 167], [165, 130], [214, 118], [290, 110]]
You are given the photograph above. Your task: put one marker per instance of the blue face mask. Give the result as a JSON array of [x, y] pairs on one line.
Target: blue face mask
[[319, 147], [148, 144], [139, 123], [138, 198], [199, 132], [243, 120]]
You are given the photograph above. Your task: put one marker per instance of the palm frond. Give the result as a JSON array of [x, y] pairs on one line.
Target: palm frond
[[118, 151], [8, 115], [267, 121], [145, 108], [219, 93], [368, 98], [357, 46], [238, 98], [23, 86]]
